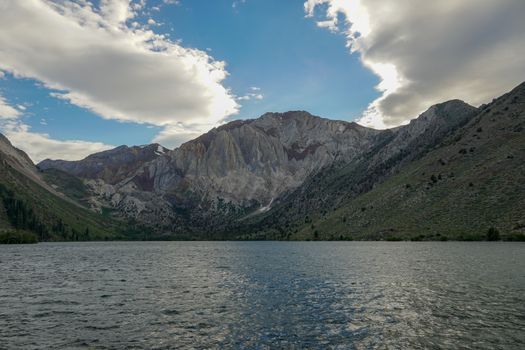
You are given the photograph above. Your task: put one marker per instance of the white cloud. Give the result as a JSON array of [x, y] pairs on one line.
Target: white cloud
[[253, 94], [250, 96], [174, 135], [236, 3], [98, 61], [115, 12], [38, 145], [7, 111], [431, 51]]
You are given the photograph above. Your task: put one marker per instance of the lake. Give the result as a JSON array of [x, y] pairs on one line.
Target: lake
[[342, 295]]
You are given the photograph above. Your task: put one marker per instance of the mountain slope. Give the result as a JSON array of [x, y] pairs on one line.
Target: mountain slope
[[110, 166], [344, 180], [28, 203], [473, 181]]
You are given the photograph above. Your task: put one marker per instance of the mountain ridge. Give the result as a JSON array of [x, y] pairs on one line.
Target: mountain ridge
[[262, 177], [473, 182]]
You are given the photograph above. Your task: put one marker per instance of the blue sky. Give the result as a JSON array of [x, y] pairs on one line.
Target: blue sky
[[79, 76], [296, 65]]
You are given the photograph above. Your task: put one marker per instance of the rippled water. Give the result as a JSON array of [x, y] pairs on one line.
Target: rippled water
[[263, 295]]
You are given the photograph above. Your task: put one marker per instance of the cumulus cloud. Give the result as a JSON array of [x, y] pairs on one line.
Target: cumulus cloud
[[431, 51], [38, 145], [93, 58], [7, 111]]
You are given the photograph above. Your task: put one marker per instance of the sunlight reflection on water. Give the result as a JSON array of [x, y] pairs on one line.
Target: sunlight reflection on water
[[263, 294]]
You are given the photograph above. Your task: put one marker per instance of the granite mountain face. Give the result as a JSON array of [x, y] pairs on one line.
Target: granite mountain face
[[231, 171], [250, 163], [267, 177]]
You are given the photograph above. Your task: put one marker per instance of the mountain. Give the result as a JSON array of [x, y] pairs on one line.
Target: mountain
[[29, 204], [297, 176], [343, 180], [110, 166], [232, 171], [456, 186], [252, 162]]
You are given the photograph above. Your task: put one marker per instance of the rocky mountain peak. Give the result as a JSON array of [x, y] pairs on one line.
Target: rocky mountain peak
[[447, 110], [251, 162], [425, 131]]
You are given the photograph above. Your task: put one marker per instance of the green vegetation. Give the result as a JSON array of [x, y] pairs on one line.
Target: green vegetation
[[25, 206], [493, 234], [466, 196], [67, 184], [515, 237], [462, 180], [22, 216], [455, 190], [17, 237]]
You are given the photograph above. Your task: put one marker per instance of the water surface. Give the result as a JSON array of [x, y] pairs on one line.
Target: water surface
[[347, 295]]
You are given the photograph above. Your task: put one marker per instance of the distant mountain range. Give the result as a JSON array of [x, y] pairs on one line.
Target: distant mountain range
[[452, 173]]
